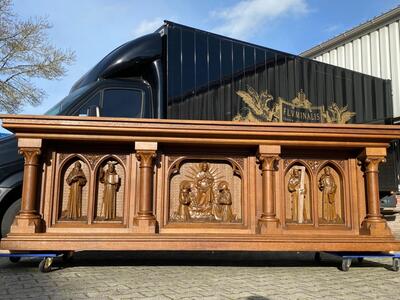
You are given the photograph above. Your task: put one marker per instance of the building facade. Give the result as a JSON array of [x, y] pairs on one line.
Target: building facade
[[371, 48]]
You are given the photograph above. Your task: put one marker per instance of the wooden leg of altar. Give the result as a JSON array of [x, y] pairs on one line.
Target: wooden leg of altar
[[374, 224], [268, 223], [145, 221], [28, 220]]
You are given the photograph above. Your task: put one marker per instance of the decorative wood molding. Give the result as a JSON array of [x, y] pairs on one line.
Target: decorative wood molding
[[287, 162], [313, 164], [63, 156], [93, 159]]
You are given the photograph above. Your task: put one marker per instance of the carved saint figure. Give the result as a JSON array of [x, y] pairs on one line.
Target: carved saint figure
[[111, 182], [76, 180], [297, 190], [204, 181], [224, 201], [182, 214], [203, 184], [328, 187]]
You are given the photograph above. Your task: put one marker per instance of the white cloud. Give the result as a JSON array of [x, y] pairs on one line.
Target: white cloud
[[147, 26], [243, 19]]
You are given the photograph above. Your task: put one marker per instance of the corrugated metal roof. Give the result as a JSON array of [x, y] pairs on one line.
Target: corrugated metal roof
[[355, 32]]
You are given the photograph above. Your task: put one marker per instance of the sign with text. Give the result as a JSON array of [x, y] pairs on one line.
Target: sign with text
[[291, 113]]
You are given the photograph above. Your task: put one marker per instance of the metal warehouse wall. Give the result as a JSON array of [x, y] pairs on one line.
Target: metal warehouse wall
[[375, 51]]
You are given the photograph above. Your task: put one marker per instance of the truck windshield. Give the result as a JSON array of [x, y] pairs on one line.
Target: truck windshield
[[69, 99]]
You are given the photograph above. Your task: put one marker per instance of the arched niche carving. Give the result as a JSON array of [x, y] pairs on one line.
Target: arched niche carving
[[205, 190], [330, 194], [298, 194], [110, 189], [74, 189]]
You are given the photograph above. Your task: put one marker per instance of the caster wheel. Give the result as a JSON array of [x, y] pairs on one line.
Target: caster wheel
[[396, 264], [68, 256], [346, 263], [46, 264], [14, 259], [317, 257], [360, 259]]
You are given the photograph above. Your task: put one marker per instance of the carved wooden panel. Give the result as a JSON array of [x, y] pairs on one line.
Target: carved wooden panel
[[110, 183], [298, 195], [330, 196], [90, 187], [203, 191], [74, 190], [314, 187]]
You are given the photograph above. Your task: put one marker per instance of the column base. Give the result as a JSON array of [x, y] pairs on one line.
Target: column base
[[25, 224], [378, 228], [268, 226], [145, 224]]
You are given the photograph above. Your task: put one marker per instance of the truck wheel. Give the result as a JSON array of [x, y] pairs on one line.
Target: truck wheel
[[9, 216]]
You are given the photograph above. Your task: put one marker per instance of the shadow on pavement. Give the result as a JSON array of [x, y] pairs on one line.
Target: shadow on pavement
[[194, 258]]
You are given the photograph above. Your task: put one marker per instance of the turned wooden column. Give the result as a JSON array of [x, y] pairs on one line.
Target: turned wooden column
[[28, 219], [373, 224], [145, 220], [268, 156]]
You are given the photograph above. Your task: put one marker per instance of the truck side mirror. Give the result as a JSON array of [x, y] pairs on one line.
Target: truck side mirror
[[93, 111]]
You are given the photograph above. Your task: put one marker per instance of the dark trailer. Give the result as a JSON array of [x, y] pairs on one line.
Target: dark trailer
[[204, 71], [180, 72]]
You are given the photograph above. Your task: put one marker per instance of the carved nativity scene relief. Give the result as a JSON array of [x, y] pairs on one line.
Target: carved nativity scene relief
[[109, 195], [205, 192], [298, 196], [330, 197], [74, 203]]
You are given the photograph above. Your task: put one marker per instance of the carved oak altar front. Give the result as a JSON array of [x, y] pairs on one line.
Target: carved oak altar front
[[127, 184]]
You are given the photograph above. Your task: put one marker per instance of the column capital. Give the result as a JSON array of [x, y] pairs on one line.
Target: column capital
[[371, 163], [31, 155], [146, 158], [267, 161], [267, 155], [371, 157]]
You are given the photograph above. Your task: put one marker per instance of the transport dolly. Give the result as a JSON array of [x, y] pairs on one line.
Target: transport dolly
[[347, 258], [45, 264]]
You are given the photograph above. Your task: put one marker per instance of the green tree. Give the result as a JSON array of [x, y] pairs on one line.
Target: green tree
[[25, 55]]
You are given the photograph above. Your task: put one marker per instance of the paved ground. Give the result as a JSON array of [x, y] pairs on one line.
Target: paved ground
[[209, 276], [162, 275]]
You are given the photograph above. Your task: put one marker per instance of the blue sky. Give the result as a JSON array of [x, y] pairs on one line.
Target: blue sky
[[92, 28]]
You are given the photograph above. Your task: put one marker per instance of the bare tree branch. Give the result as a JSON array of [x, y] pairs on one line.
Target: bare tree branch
[[25, 53]]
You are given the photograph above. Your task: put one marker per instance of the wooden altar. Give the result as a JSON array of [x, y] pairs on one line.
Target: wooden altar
[[139, 184]]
